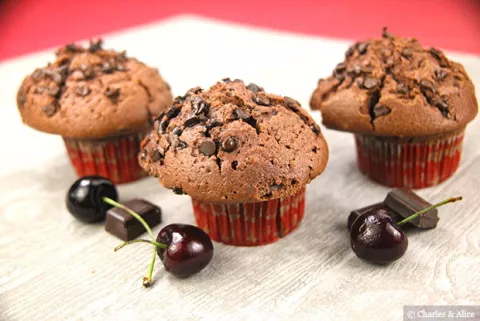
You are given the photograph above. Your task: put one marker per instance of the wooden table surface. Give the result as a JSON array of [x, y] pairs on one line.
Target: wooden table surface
[[53, 267]]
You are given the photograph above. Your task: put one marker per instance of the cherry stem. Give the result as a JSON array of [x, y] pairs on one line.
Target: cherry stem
[[411, 217], [147, 281], [163, 246]]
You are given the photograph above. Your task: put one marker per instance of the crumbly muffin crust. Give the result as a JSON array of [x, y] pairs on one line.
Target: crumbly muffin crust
[[92, 93], [234, 143], [394, 87]]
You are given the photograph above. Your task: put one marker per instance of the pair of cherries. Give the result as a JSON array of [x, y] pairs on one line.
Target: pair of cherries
[[376, 238], [183, 249]]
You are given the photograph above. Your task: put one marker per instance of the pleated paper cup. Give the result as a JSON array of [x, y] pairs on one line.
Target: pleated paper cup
[[113, 158], [250, 224], [412, 163]]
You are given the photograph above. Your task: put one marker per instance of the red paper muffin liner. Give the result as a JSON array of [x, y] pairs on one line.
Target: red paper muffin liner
[[250, 224], [114, 158], [412, 165]]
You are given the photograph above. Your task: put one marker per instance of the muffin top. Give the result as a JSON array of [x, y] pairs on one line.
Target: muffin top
[[394, 87], [92, 93], [234, 143]]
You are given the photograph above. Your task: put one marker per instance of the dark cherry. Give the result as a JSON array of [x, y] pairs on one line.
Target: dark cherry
[[375, 237], [189, 249], [84, 198]]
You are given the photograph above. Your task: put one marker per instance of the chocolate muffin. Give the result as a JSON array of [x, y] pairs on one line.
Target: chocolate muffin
[[101, 102], [244, 156], [407, 106]]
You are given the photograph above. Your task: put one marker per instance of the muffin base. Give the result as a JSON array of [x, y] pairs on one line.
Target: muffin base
[[113, 158], [409, 162], [250, 224]]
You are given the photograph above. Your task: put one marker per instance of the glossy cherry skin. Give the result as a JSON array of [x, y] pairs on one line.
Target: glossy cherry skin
[[84, 198], [189, 250], [375, 237]]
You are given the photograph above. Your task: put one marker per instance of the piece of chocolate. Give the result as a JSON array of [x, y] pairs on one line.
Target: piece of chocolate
[[356, 213], [406, 203], [125, 226]]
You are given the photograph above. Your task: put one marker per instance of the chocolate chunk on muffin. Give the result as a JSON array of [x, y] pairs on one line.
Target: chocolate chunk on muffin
[[89, 95], [235, 145], [405, 103]]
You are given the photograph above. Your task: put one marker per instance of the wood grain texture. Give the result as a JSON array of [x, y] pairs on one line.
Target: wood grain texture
[[55, 268]]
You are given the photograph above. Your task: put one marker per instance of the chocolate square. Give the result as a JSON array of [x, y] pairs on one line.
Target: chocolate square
[[125, 226], [406, 203]]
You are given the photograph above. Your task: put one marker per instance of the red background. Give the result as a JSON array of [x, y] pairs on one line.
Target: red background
[[30, 25]]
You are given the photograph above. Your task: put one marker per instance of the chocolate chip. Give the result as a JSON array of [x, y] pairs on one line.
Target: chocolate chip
[[427, 85], [38, 74], [71, 47], [107, 67], [208, 147], [178, 100], [199, 106], [156, 155], [292, 103], [113, 94], [442, 105], [386, 34], [234, 165], [340, 77], [178, 191], [350, 51], [172, 112], [402, 88], [362, 47], [162, 127], [87, 71], [181, 144], [370, 83], [340, 67], [95, 45], [440, 74], [177, 131], [49, 110], [407, 52], [195, 90], [254, 88], [315, 128], [230, 144], [437, 54], [53, 91], [211, 123], [226, 80], [262, 99], [192, 121], [82, 91], [380, 110], [240, 114], [56, 77]]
